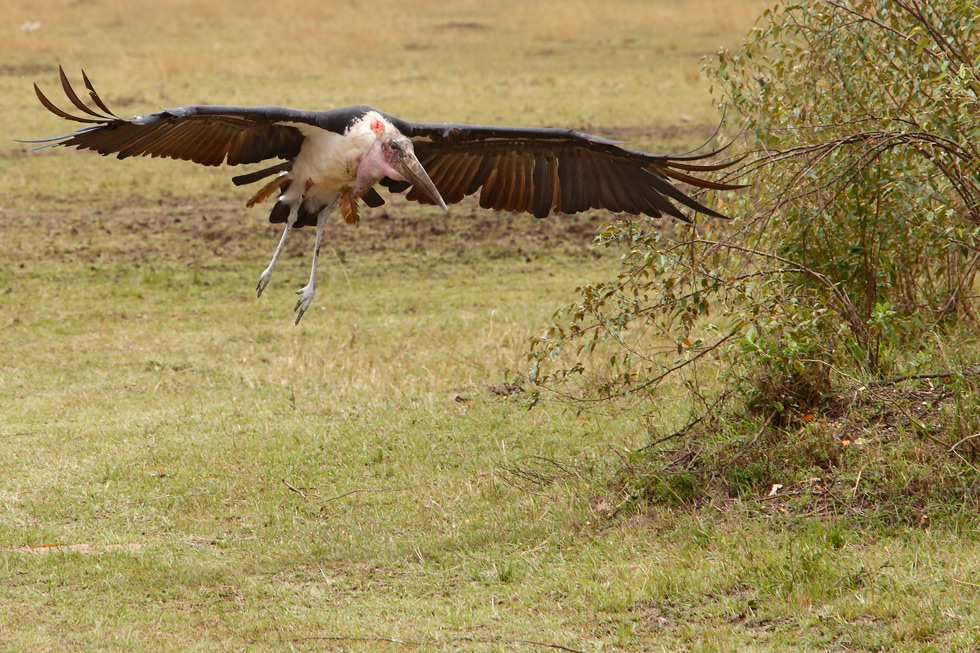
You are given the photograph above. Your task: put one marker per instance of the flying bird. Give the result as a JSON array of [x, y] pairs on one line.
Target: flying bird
[[339, 157]]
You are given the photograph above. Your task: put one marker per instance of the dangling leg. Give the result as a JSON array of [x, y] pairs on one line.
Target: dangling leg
[[308, 292], [290, 221]]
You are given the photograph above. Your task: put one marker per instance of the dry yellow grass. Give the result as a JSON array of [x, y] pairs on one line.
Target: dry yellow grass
[[616, 63], [212, 478], [298, 38]]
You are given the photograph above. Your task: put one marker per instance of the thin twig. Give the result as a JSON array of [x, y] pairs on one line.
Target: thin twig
[[348, 638], [966, 276], [783, 495], [296, 490], [687, 427], [362, 490], [969, 437], [857, 482], [965, 461], [969, 370], [431, 642], [667, 372], [525, 478], [752, 441], [546, 645], [845, 307]]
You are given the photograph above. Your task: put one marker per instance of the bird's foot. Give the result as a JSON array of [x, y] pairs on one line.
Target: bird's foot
[[307, 292], [263, 281]]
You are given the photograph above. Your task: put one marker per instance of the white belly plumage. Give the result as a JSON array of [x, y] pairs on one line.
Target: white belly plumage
[[328, 161]]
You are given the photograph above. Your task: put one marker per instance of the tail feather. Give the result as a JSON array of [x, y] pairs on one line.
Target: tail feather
[[280, 213], [306, 217], [266, 191], [253, 177]]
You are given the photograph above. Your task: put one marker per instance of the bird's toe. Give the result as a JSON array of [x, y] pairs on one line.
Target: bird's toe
[[263, 282], [306, 298]]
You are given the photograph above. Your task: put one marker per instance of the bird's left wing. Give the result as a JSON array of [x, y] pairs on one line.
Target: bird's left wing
[[540, 171], [209, 135]]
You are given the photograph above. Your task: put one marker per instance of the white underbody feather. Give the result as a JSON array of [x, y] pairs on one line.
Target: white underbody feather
[[328, 161]]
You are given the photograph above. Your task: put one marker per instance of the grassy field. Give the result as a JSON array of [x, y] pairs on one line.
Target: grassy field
[[182, 469]]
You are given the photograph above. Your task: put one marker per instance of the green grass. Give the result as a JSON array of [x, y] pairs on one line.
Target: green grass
[[185, 470]]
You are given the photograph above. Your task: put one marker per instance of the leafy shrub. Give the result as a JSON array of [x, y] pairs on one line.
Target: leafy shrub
[[860, 235], [849, 265], [867, 125]]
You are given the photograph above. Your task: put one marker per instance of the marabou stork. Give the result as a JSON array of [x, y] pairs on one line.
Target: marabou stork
[[338, 156]]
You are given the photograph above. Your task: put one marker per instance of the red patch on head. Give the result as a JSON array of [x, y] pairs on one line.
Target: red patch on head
[[377, 126]]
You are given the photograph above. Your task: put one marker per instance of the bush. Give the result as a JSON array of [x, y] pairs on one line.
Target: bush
[[860, 236], [867, 126], [853, 253]]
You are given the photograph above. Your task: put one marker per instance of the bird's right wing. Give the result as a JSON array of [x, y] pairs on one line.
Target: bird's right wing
[[209, 135]]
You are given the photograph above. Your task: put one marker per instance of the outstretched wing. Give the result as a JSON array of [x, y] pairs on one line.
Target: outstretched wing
[[540, 171], [209, 135]]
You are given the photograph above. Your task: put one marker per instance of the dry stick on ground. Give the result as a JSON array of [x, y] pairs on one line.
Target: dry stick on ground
[[969, 437], [351, 638], [962, 457], [362, 490], [913, 420], [478, 640], [431, 642], [969, 370], [297, 491], [525, 478], [347, 494]]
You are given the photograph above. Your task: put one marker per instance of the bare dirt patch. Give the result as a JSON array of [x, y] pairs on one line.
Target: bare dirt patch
[[138, 229]]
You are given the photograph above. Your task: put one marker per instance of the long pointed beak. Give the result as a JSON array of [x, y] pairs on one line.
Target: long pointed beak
[[408, 166]]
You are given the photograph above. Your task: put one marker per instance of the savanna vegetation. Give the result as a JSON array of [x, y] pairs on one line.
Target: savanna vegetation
[[839, 306], [755, 434]]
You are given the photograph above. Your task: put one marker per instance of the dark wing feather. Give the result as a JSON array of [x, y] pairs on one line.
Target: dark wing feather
[[542, 181], [209, 135], [91, 91], [539, 171]]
